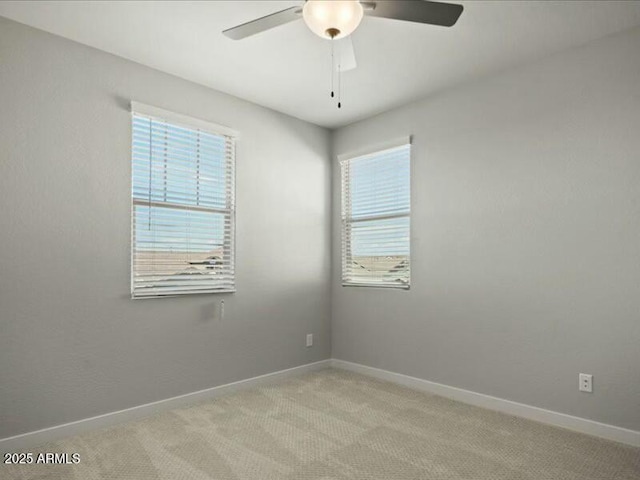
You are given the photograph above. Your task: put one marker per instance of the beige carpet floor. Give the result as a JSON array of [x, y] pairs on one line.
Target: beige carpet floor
[[335, 425]]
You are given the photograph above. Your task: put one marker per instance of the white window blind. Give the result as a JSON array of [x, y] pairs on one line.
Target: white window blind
[[183, 208], [376, 218]]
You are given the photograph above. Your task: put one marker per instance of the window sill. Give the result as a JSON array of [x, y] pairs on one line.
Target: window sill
[[377, 285]]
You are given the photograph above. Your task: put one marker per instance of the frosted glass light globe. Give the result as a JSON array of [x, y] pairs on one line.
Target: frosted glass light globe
[[332, 18]]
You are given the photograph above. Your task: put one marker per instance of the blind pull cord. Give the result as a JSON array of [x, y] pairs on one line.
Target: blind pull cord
[[150, 166]]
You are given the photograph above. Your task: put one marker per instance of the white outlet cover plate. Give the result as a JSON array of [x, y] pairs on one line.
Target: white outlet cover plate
[[585, 383]]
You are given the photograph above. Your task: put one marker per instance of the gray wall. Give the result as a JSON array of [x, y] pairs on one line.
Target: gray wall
[[72, 343], [525, 237]]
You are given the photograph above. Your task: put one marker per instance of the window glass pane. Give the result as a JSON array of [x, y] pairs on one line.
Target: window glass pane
[[172, 164], [374, 238], [380, 185], [173, 230]]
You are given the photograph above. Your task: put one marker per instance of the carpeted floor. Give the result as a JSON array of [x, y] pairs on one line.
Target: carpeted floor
[[335, 425]]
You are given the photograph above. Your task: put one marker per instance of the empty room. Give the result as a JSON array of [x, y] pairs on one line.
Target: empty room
[[320, 240]]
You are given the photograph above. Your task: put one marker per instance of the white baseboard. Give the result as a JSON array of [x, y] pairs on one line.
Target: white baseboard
[[578, 424], [582, 425], [31, 439]]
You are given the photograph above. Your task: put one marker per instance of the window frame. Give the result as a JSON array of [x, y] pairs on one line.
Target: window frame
[[185, 122], [347, 221]]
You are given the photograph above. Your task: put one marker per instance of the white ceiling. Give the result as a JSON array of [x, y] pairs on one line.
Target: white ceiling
[[288, 68]]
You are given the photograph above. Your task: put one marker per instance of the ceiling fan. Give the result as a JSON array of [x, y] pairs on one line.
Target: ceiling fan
[[337, 19]]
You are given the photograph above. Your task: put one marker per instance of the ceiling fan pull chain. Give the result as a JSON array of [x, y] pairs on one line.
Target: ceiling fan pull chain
[[339, 86], [332, 68]]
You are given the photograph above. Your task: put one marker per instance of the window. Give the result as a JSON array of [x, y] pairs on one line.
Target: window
[[183, 208], [376, 218]]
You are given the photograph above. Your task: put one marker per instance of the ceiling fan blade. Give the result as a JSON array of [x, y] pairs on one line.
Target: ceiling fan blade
[[263, 23], [433, 13], [345, 54]]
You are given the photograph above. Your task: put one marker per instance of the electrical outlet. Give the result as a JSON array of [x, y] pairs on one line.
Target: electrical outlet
[[309, 339], [585, 382]]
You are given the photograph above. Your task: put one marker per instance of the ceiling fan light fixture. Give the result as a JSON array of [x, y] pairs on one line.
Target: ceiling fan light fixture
[[332, 19]]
